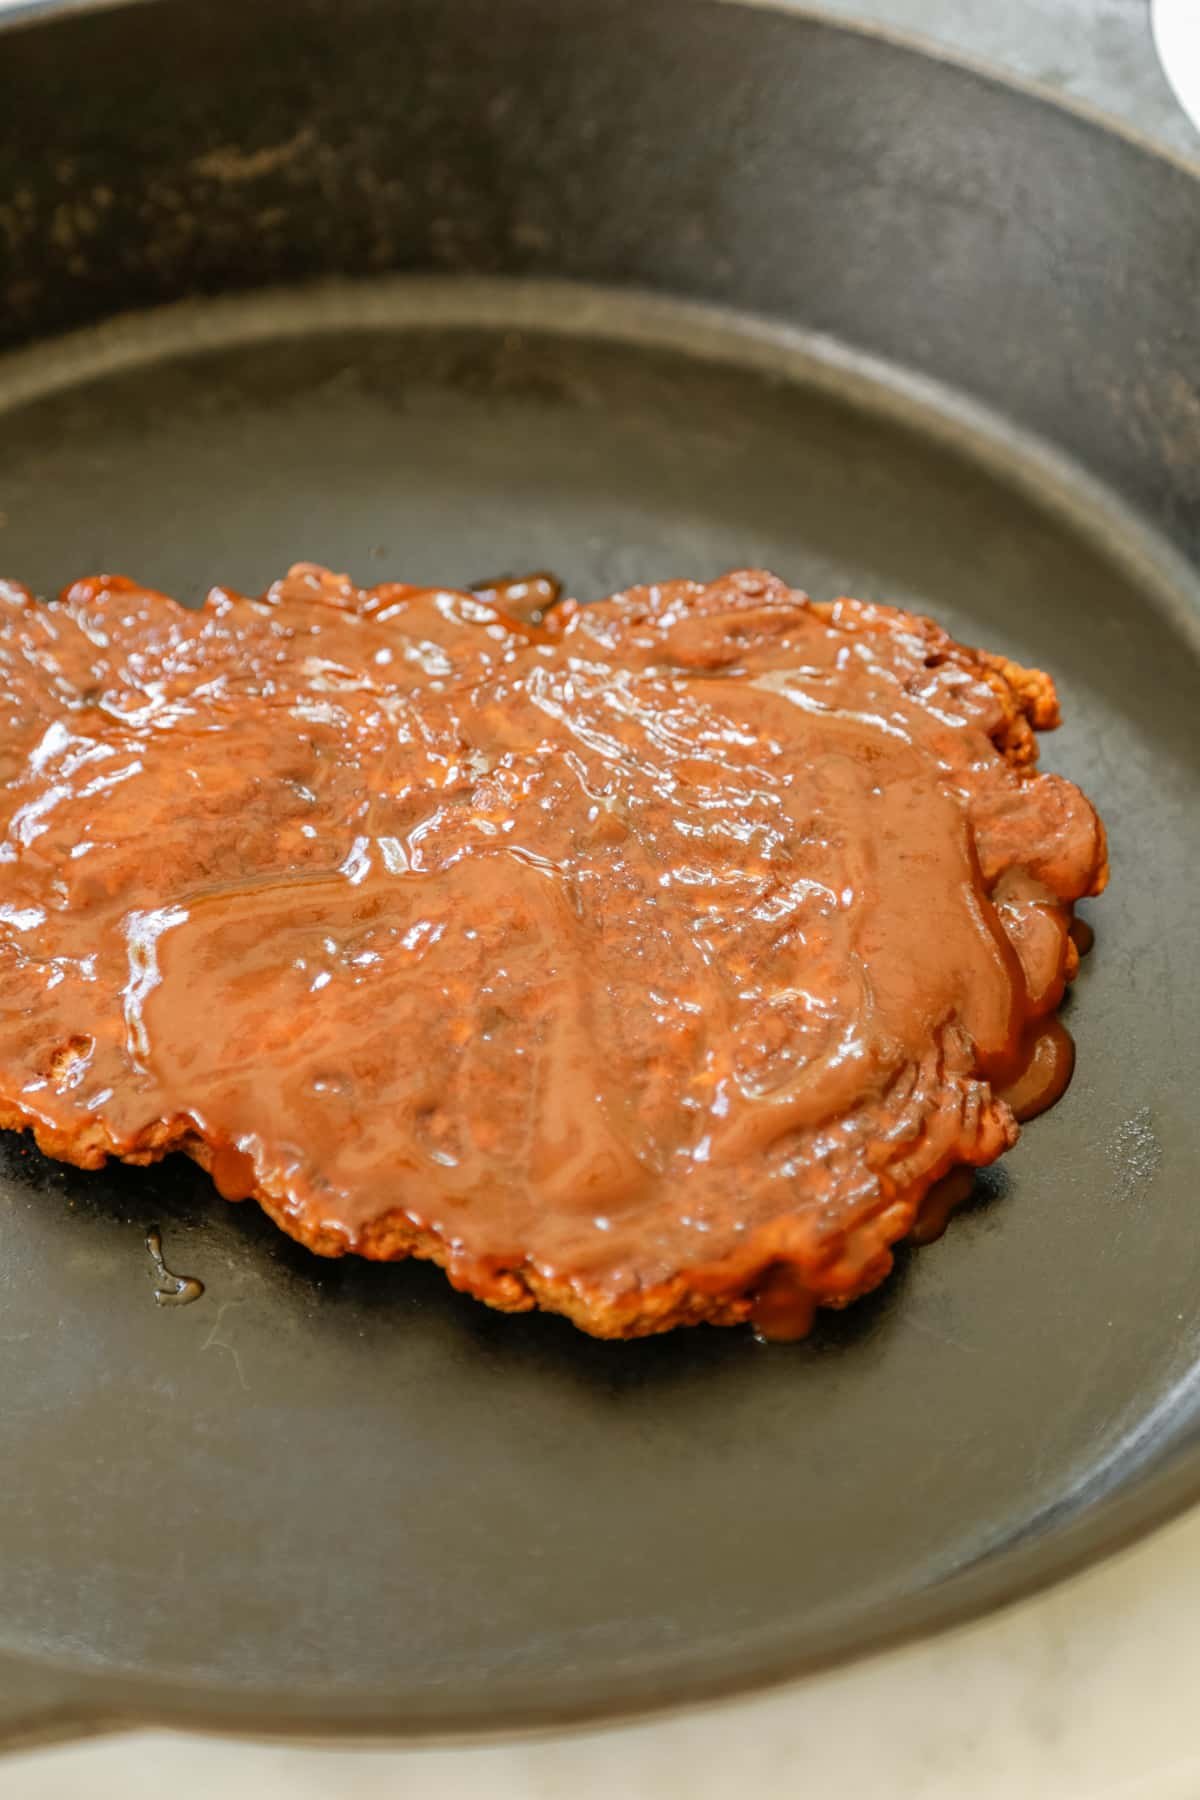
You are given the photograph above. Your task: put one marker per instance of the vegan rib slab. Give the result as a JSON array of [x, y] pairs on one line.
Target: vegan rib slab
[[649, 964]]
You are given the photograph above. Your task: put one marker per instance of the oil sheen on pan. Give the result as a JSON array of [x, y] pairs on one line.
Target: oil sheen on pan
[[654, 961]]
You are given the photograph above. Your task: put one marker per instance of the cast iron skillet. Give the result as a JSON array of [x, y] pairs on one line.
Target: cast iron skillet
[[627, 288]]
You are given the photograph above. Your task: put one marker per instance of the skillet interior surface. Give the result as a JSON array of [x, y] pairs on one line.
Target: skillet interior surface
[[332, 1495]]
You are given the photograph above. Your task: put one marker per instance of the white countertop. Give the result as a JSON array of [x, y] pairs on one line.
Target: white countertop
[[1085, 1693]]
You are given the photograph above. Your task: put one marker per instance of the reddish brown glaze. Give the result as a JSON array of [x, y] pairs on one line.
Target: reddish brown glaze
[[1082, 936], [649, 963], [525, 597], [1049, 1063]]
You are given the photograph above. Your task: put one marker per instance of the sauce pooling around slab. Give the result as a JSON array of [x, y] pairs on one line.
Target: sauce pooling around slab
[[650, 961]]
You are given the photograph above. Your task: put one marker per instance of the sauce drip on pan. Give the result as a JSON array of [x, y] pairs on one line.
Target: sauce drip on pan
[[650, 961], [1049, 1063], [942, 1200], [173, 1290]]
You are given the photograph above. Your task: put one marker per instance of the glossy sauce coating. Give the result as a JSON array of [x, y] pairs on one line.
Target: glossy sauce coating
[[648, 963]]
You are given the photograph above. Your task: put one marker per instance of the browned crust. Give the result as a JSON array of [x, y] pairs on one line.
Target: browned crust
[[707, 1293]]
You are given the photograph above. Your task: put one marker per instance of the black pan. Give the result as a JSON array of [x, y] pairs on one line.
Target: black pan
[[440, 289]]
